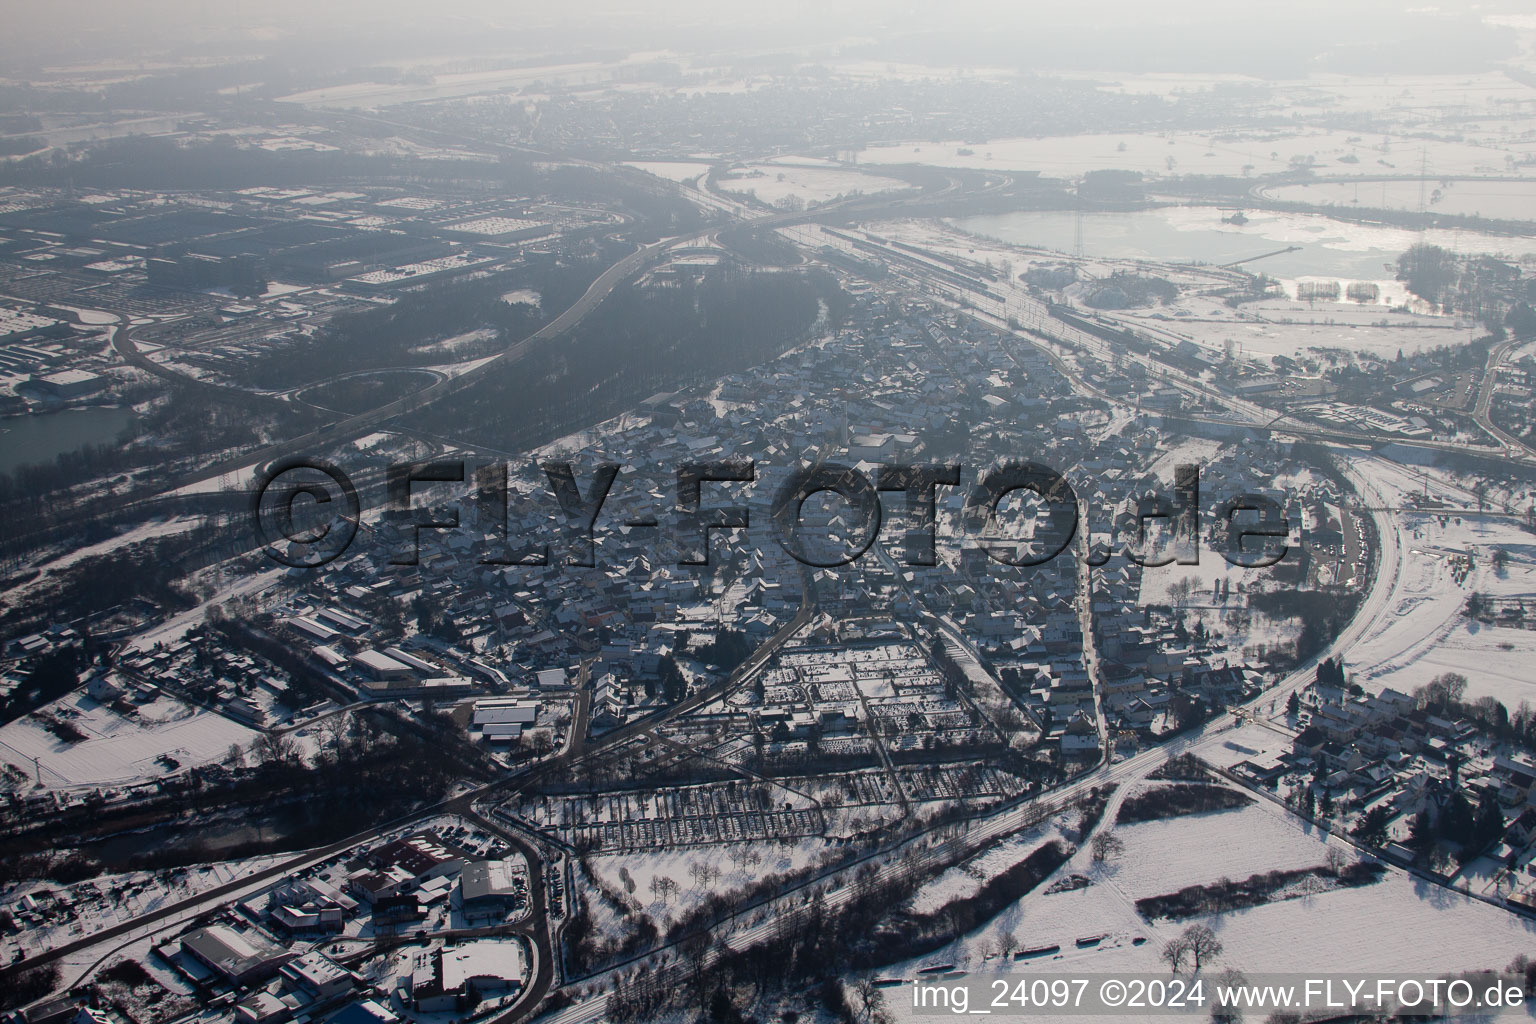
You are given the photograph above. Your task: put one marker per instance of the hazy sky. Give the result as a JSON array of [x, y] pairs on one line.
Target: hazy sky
[[1116, 32]]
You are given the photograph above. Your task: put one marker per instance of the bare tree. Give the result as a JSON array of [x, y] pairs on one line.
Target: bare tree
[[1007, 943], [1106, 846], [869, 996], [276, 748], [1311, 885], [1203, 944], [1175, 952], [1228, 980], [1337, 861], [335, 728]]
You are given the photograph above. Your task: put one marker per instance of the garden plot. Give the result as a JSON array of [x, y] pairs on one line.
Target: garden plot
[[118, 749]]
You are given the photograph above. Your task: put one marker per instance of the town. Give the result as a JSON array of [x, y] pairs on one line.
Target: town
[[617, 537]]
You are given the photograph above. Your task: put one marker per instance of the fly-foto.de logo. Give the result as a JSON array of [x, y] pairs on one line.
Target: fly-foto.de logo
[[306, 512]]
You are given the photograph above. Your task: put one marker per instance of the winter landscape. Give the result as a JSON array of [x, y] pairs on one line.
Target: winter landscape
[[813, 515]]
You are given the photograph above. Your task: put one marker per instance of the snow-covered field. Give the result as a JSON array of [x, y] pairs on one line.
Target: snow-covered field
[[1279, 326], [682, 171], [175, 627], [1426, 633], [773, 183], [1291, 328], [1164, 856], [1295, 340], [1512, 200], [1179, 153], [151, 530], [117, 749], [1399, 924], [963, 880], [1324, 246]]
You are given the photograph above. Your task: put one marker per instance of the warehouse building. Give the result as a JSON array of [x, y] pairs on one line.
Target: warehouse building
[[68, 384], [239, 958]]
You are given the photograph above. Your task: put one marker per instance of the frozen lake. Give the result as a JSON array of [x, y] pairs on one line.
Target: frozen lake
[[1184, 234]]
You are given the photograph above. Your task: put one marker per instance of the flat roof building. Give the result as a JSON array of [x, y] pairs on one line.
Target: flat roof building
[[239, 958], [68, 383], [379, 665], [317, 977], [493, 886]]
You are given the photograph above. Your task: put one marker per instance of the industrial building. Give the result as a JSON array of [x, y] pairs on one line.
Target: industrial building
[[238, 958], [67, 384], [503, 719], [16, 325], [493, 887]]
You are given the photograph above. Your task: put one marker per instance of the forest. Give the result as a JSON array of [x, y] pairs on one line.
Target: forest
[[640, 341]]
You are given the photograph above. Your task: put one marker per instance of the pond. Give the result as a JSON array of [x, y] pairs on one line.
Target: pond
[[44, 436]]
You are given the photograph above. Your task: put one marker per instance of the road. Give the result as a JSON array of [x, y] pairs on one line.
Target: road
[[1023, 812], [1009, 818], [993, 824], [1487, 388], [1020, 813], [462, 805]]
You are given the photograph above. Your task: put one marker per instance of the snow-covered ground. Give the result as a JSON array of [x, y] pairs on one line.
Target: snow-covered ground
[[963, 880], [682, 171], [1427, 633], [118, 749], [773, 183], [1287, 327], [700, 871], [1395, 321], [1180, 153], [1512, 200], [1410, 629], [1381, 927], [175, 627], [109, 900]]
